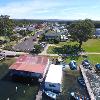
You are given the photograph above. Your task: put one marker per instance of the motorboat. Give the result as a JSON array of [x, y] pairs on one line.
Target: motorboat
[[86, 64], [77, 96], [97, 66], [81, 81], [73, 65], [50, 94]]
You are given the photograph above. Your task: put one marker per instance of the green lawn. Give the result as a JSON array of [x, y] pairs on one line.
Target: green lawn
[[92, 45], [66, 43], [4, 38], [92, 58], [8, 87], [50, 50], [9, 45]]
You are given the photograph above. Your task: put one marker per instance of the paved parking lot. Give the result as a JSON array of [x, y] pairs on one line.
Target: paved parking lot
[[26, 45]]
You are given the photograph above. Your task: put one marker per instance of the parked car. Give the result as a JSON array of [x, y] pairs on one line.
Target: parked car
[[73, 65], [43, 44]]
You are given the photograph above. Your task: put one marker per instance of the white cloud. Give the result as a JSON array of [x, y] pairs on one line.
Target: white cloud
[[49, 9], [23, 9]]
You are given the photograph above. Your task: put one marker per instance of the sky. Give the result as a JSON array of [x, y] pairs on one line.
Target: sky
[[51, 9]]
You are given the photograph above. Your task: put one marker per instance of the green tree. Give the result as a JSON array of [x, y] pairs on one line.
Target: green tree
[[37, 49], [6, 26], [81, 31], [42, 37]]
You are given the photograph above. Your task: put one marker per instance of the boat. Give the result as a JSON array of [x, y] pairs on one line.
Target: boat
[[77, 96], [53, 81], [86, 64], [50, 94], [97, 66], [73, 65], [81, 81]]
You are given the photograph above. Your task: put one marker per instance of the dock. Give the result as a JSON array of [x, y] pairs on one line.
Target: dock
[[39, 95], [1, 57], [92, 81]]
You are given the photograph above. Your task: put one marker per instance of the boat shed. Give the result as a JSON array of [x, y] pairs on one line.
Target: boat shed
[[30, 66], [53, 79]]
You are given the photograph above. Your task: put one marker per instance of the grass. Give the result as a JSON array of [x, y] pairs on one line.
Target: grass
[[4, 38], [8, 46], [32, 33], [92, 45], [8, 87], [50, 50], [92, 58], [66, 43]]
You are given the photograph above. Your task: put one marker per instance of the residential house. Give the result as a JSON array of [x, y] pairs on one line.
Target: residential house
[[97, 33]]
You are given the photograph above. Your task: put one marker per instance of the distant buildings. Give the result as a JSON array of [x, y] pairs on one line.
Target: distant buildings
[[97, 33]]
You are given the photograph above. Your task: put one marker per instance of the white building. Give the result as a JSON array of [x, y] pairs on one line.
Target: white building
[[53, 79]]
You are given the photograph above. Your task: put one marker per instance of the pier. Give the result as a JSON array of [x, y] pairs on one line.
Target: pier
[[92, 81]]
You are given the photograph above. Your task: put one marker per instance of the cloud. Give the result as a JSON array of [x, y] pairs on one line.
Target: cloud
[[50, 9], [19, 9]]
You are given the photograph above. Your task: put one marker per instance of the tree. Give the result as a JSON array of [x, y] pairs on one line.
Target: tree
[[37, 49], [6, 25], [81, 31]]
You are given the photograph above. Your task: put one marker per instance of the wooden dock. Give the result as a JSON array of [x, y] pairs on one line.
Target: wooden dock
[[39, 95], [89, 89], [1, 58]]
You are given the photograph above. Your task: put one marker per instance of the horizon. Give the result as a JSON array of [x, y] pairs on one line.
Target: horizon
[[49, 9]]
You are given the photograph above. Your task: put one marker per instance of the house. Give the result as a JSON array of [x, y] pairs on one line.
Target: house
[[97, 33], [50, 36], [30, 66], [53, 81], [63, 36], [16, 35]]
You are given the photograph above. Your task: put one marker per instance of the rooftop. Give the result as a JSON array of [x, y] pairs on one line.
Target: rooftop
[[54, 74], [30, 63]]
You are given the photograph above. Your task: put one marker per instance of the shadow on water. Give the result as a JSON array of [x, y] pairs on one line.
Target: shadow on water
[[20, 79]]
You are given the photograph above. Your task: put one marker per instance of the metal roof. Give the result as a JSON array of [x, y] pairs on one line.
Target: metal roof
[[30, 63], [54, 74]]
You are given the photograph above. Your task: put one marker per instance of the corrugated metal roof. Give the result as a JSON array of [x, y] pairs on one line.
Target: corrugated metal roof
[[54, 74], [30, 63]]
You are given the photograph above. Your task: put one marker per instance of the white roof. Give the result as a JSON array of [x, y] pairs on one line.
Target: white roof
[[54, 74]]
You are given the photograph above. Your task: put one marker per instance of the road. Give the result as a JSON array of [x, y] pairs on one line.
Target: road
[[44, 52]]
